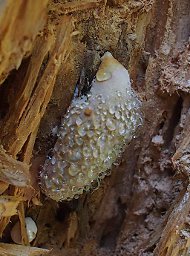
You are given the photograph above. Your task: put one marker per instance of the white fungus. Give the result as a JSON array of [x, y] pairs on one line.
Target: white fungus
[[93, 133]]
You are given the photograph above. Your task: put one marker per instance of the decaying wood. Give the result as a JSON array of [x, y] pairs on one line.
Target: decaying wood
[[12, 171], [8, 205], [22, 121], [177, 72], [21, 214], [16, 202], [3, 187], [181, 158], [175, 236], [75, 6], [20, 23], [19, 250], [131, 213], [16, 173], [20, 125]]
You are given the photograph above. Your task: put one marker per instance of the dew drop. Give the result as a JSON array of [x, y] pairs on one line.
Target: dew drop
[[56, 181], [90, 133], [71, 142], [101, 175], [62, 165], [81, 131], [73, 170], [112, 110], [121, 129], [86, 152], [99, 97], [62, 132], [53, 160], [48, 184], [103, 118], [69, 122], [79, 140], [78, 121], [75, 155], [91, 174], [117, 115], [80, 179], [101, 142], [110, 125], [95, 153]]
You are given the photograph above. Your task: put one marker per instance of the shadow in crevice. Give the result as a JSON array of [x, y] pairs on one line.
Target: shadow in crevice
[[65, 208], [174, 121], [112, 228], [11, 87]]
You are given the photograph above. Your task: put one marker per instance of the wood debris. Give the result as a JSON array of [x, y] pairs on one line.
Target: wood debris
[[12, 171], [176, 74], [20, 23], [20, 250], [27, 105], [37, 88], [8, 205], [176, 234], [77, 6], [3, 187], [21, 214]]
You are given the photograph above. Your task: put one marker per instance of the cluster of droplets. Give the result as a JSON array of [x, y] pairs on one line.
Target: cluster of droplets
[[92, 136]]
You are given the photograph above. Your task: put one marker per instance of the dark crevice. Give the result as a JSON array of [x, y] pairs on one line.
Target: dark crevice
[[150, 249], [64, 209], [11, 87], [112, 228], [161, 125], [173, 122], [141, 72]]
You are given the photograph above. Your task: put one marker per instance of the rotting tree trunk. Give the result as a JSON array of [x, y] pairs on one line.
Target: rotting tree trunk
[[45, 46]]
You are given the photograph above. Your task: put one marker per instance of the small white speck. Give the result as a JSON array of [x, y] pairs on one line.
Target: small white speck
[[158, 140]]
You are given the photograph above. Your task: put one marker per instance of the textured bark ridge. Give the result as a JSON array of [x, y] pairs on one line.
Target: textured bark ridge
[[46, 48]]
